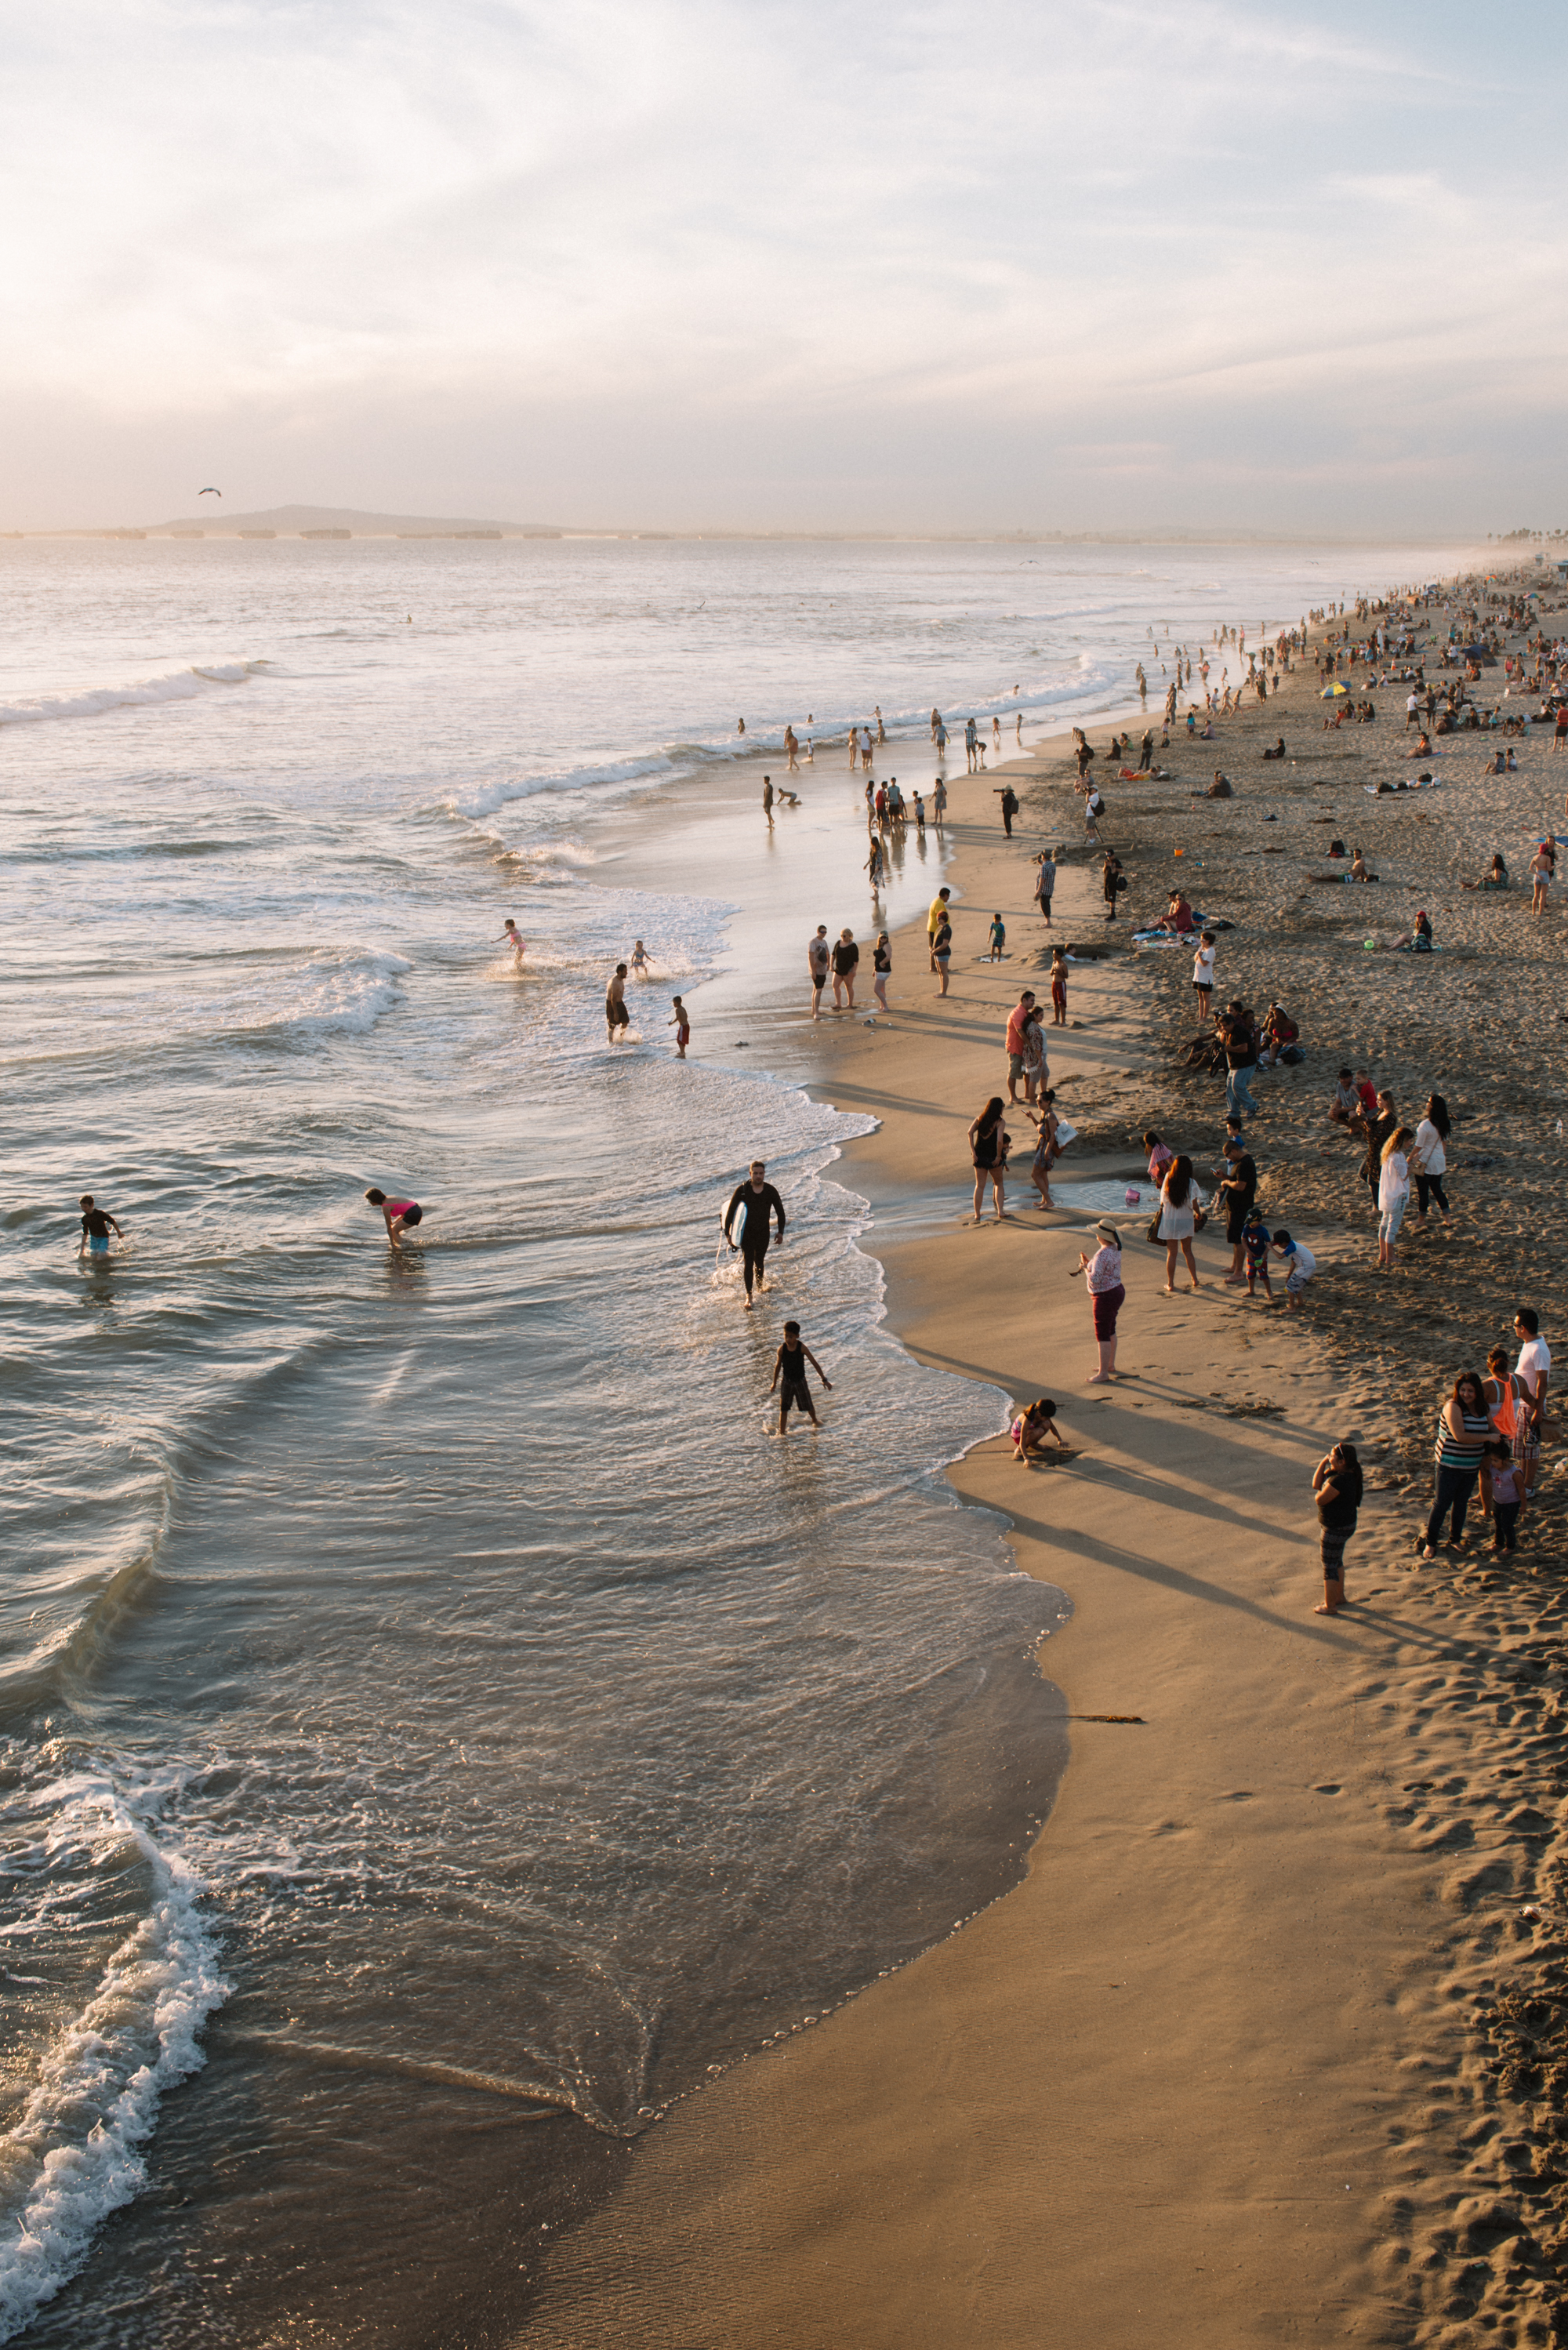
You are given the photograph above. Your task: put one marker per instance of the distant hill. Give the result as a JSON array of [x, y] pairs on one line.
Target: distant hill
[[290, 522]]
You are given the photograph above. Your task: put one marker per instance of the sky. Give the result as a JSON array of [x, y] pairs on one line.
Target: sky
[[796, 265]]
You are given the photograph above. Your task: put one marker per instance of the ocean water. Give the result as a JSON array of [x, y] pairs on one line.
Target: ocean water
[[439, 1724]]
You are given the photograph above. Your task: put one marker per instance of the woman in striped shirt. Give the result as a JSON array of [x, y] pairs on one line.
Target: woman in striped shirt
[[1464, 1426]]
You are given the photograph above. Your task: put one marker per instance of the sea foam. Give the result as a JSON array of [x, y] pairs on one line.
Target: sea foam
[[75, 2151]]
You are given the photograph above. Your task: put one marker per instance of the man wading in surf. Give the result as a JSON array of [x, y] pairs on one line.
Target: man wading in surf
[[758, 1199]]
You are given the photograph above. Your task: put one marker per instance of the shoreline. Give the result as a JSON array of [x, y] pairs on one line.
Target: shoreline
[[969, 2137]]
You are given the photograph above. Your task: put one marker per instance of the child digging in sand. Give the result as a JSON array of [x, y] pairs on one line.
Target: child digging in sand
[[1302, 1265], [789, 1364], [1031, 1428]]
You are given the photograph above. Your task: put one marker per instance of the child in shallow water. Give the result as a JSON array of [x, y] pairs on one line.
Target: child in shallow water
[[789, 1365], [399, 1216]]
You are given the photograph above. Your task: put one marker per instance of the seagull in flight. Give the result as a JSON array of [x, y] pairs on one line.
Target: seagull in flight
[[209, 493]]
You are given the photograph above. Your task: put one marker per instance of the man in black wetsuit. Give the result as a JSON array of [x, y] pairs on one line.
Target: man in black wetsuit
[[757, 1197]]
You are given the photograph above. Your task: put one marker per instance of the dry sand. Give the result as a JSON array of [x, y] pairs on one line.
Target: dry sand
[[1268, 2046]]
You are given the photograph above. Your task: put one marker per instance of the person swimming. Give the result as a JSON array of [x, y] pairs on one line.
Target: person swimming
[[400, 1216]]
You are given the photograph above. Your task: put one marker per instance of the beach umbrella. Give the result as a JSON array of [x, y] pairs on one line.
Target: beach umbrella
[[1330, 691]]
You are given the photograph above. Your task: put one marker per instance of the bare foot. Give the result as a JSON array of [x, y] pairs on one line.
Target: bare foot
[[1093, 1378], [1325, 1611], [1169, 1291]]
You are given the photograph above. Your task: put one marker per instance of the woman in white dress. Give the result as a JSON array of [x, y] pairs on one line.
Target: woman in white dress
[[1180, 1204]]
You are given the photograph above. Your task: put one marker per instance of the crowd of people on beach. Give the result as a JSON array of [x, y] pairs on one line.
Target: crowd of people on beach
[[1490, 1430]]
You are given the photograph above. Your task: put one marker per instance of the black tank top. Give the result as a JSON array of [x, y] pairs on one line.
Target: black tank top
[[987, 1142]]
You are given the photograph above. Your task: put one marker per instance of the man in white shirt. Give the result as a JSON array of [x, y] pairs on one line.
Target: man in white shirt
[[1413, 709], [1534, 1369]]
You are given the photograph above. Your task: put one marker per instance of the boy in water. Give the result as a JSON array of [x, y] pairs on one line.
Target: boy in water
[[789, 1364], [1255, 1240], [681, 1025], [1302, 1265], [1058, 987], [617, 1016], [95, 1224], [998, 937], [510, 938]]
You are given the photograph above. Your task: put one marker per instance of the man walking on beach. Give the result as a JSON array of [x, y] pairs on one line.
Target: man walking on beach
[[1009, 808], [1045, 886], [758, 1199], [818, 956], [1016, 1021], [935, 913]]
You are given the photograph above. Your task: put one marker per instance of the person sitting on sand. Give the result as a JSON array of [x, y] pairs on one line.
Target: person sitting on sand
[[1178, 913], [1279, 1031], [1344, 1103], [1423, 749], [1358, 871], [1031, 1428], [1279, 750], [1221, 788]]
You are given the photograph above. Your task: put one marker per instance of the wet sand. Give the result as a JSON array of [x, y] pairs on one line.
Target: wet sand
[[1267, 2044]]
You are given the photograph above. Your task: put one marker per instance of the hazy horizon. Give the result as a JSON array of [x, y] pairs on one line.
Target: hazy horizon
[[693, 268]]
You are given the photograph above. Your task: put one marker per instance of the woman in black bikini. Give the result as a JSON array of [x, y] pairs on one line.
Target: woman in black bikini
[[988, 1140]]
